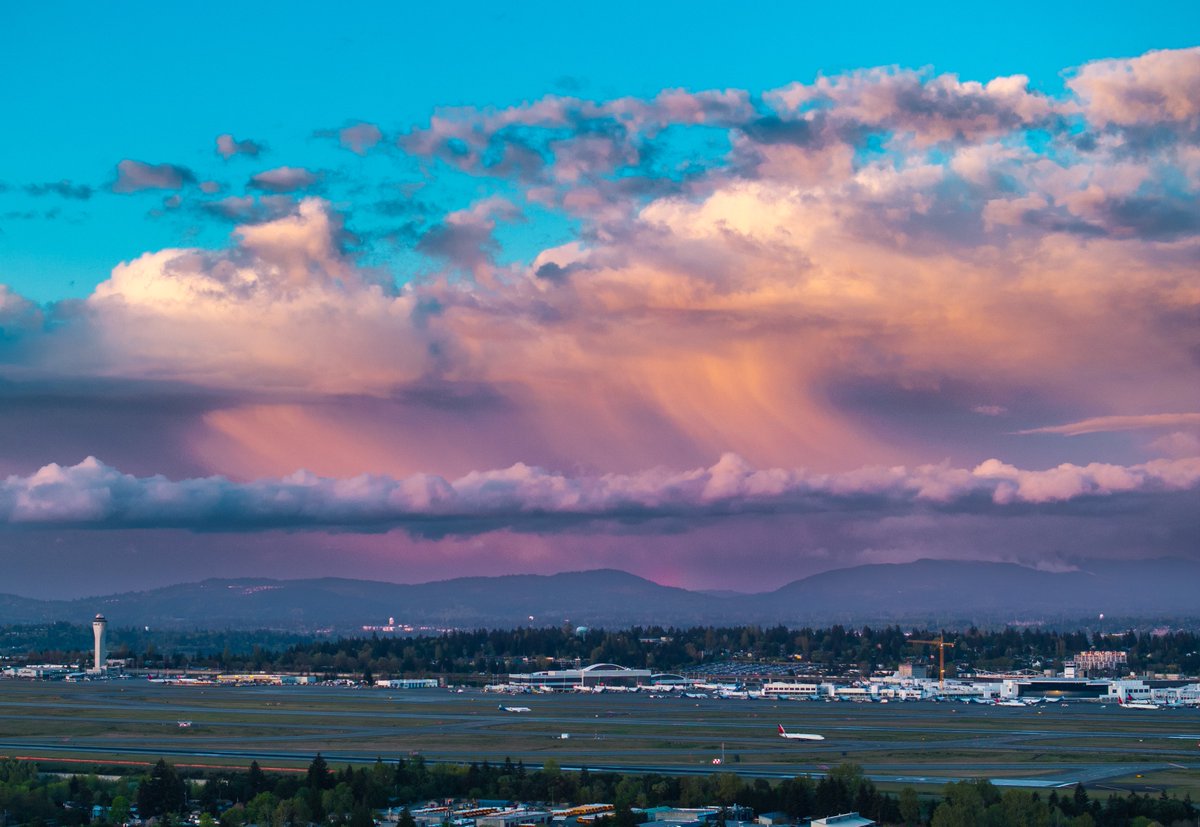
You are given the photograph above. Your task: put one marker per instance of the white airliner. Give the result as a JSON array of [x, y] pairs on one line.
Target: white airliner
[[799, 736], [185, 724], [1131, 704], [515, 708]]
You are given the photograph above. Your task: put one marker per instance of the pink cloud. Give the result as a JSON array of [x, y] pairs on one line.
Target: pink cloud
[[136, 176], [1157, 87], [776, 306], [1102, 424], [228, 146], [523, 498], [360, 137], [934, 108], [283, 179]]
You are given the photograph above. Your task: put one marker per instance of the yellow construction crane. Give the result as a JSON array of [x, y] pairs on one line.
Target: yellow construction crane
[[941, 644]]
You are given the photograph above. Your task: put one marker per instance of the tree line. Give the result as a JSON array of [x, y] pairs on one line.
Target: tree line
[[349, 797], [496, 652]]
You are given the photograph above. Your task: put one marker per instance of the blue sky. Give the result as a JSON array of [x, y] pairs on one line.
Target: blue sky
[[85, 86]]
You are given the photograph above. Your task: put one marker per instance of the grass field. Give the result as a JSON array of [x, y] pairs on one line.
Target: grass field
[[917, 743]]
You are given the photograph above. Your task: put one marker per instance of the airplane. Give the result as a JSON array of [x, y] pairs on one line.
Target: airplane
[[799, 736], [1130, 704], [514, 708], [184, 724]]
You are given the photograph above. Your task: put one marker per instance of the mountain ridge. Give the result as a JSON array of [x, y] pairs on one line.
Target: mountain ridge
[[923, 591]]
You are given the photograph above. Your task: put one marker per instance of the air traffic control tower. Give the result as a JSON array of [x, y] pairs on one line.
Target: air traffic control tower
[[100, 633]]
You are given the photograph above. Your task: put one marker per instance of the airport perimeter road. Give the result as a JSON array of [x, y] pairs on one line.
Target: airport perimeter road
[[917, 743]]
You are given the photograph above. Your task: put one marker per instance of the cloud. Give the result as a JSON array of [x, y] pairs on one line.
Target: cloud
[[527, 498], [465, 238], [1104, 424], [248, 209], [559, 142], [228, 146], [1155, 88], [230, 319], [932, 108], [283, 179], [136, 176], [360, 137], [63, 189], [850, 268]]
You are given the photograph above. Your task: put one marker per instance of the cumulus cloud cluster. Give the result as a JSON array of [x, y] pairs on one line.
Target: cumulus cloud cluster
[[285, 308], [523, 498], [883, 266]]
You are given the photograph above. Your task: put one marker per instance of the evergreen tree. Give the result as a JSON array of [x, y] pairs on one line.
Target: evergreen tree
[[910, 807], [319, 777], [162, 792], [257, 781]]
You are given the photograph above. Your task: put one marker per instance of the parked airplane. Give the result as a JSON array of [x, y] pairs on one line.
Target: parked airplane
[[799, 736], [1130, 704], [184, 724], [504, 708], [733, 694]]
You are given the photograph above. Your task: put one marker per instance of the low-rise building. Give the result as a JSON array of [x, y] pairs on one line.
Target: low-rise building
[[843, 820], [513, 818], [790, 689]]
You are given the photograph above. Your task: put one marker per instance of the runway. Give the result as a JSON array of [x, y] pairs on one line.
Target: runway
[[916, 743]]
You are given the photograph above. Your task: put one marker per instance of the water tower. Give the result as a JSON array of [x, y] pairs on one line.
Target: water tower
[[100, 633]]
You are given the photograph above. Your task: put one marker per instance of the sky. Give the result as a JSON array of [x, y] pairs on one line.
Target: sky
[[721, 299]]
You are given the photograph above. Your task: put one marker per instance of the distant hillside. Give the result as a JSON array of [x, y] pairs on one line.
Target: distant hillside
[[921, 592], [989, 592], [592, 597]]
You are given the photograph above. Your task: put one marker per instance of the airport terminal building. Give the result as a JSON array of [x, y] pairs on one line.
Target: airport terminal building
[[598, 674]]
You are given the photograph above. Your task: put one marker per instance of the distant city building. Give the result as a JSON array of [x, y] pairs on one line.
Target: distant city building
[[916, 671], [1094, 662], [100, 639]]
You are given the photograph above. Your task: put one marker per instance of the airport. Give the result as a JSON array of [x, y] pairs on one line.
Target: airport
[[1084, 724], [917, 742]]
